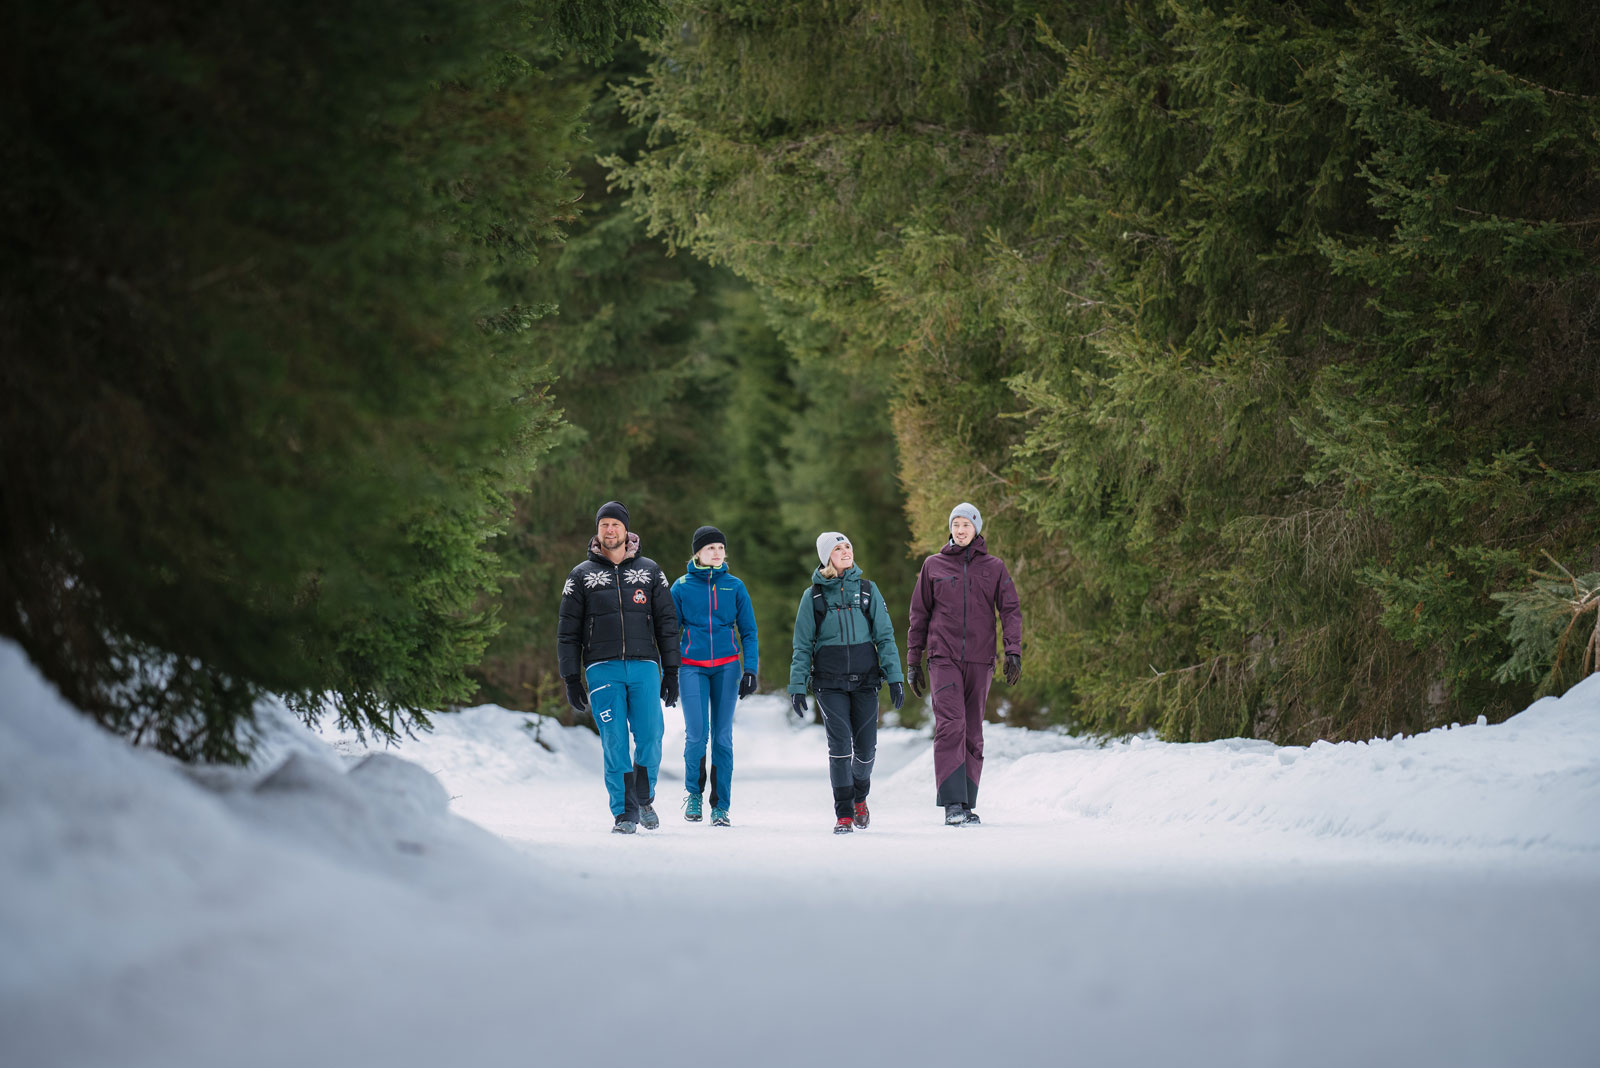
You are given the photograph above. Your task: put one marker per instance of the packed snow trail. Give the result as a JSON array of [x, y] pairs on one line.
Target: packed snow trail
[[1231, 904]]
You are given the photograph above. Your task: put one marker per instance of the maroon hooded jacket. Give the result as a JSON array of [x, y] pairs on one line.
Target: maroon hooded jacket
[[954, 602]]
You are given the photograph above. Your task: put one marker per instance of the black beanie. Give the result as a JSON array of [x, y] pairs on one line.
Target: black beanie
[[612, 510], [704, 536]]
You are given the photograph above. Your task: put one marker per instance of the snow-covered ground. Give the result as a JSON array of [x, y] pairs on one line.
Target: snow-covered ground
[[459, 901]]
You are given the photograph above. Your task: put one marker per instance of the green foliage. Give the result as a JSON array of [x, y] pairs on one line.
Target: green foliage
[[269, 374], [694, 402], [1263, 334], [1547, 621]]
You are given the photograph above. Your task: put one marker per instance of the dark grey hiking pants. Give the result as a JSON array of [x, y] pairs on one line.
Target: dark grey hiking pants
[[850, 719]]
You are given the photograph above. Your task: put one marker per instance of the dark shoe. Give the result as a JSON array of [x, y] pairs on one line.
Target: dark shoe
[[719, 818], [972, 819], [691, 808], [844, 826], [624, 825], [648, 818], [954, 815], [863, 817]]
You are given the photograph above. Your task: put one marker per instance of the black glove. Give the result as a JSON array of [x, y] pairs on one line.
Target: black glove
[[669, 687], [798, 703], [919, 681], [1013, 668], [577, 695], [747, 684], [897, 694]]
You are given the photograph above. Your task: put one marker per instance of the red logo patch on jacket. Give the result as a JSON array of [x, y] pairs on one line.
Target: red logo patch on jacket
[[639, 597]]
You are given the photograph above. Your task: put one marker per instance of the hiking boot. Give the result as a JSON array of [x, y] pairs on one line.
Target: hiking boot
[[719, 818], [972, 819], [624, 825], [648, 818], [954, 815], [863, 817], [844, 826], [691, 808]]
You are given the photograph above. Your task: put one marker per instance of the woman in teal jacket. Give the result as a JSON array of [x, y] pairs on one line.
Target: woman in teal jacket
[[712, 605], [843, 651]]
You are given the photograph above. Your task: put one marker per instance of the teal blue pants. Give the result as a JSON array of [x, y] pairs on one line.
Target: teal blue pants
[[624, 697]]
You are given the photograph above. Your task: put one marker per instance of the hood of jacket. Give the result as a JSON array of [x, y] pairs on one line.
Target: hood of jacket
[[976, 545], [850, 574], [598, 555], [700, 573]]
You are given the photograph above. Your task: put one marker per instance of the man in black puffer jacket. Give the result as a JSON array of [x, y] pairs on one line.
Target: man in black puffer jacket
[[617, 649]]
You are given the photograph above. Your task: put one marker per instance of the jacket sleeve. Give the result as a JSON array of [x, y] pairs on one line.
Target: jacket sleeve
[[883, 638], [746, 623], [666, 613], [805, 628], [917, 632], [1010, 606], [569, 629]]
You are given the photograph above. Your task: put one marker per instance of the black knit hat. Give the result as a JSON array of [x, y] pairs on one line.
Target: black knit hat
[[704, 536], [612, 510]]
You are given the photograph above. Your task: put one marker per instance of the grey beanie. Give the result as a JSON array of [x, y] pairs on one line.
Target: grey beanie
[[825, 543], [970, 511]]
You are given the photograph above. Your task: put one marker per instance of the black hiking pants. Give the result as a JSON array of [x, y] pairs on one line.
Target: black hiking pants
[[850, 718]]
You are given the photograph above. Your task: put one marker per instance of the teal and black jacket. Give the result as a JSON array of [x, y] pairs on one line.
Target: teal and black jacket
[[847, 651]]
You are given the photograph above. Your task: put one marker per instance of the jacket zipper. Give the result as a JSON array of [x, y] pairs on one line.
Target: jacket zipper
[[711, 616], [622, 620]]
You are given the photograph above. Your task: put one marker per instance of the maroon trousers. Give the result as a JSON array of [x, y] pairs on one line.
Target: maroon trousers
[[959, 690]]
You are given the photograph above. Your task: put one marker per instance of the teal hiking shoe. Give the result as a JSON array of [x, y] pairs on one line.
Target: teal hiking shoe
[[691, 808], [719, 818]]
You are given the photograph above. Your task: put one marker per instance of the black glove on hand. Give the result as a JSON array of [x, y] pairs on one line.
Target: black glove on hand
[[1013, 668], [798, 704], [897, 694], [669, 687], [919, 681], [577, 696], [747, 684]]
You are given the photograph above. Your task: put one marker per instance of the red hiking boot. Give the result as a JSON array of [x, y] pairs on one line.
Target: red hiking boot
[[863, 817], [844, 826]]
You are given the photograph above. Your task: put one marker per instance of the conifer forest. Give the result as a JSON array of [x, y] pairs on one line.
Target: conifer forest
[[1265, 336]]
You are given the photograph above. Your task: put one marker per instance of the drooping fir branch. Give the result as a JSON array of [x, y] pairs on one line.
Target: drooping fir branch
[[1544, 618]]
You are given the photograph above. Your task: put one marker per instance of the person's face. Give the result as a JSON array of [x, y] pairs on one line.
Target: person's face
[[612, 533], [962, 531], [842, 556], [712, 555]]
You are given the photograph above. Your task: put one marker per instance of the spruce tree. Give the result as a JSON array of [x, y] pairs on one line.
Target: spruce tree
[[269, 373]]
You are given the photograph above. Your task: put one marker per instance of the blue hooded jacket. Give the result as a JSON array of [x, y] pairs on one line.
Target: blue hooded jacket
[[711, 605]]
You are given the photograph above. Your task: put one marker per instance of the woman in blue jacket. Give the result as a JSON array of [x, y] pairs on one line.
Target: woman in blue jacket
[[711, 605]]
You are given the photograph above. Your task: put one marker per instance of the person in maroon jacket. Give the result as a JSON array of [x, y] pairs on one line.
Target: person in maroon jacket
[[953, 607]]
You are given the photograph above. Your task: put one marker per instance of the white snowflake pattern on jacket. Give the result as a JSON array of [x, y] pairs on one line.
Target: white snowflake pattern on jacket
[[638, 576], [567, 587], [595, 579]]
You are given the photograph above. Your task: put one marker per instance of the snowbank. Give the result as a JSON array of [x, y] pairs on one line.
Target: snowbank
[[330, 905], [1533, 780]]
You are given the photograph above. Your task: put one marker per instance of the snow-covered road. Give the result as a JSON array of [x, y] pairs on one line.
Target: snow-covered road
[[1425, 901], [1048, 937]]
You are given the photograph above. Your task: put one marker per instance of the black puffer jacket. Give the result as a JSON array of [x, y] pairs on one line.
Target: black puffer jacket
[[616, 612]]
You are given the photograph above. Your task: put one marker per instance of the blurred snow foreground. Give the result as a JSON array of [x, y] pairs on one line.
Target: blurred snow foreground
[[459, 901]]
